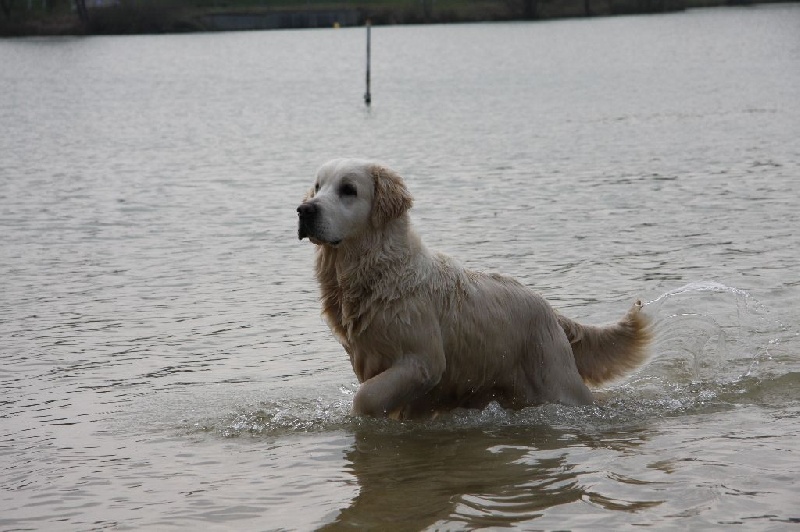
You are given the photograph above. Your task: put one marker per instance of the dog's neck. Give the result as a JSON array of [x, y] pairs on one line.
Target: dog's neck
[[352, 274]]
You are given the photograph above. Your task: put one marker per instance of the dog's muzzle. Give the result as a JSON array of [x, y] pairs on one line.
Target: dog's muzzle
[[307, 216]]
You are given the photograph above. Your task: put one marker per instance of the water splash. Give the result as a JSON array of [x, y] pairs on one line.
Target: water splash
[[276, 418], [707, 331], [698, 286]]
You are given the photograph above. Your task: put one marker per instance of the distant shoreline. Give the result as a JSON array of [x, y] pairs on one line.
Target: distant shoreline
[[126, 18]]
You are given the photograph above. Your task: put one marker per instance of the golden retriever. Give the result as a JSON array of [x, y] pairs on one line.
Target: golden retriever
[[425, 334]]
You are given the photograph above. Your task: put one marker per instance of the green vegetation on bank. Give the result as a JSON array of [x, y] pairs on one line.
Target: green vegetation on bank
[[83, 17]]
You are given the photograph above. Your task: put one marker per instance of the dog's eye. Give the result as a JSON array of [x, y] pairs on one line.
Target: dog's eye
[[316, 187], [348, 190]]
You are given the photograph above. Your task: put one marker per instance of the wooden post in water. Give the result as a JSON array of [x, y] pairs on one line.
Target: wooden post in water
[[368, 94]]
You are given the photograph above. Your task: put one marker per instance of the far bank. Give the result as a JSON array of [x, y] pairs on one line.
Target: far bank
[[119, 17]]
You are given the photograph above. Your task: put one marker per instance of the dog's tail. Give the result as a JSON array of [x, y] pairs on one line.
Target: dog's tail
[[605, 353]]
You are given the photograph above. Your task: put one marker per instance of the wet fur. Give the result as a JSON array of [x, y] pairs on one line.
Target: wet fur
[[424, 334]]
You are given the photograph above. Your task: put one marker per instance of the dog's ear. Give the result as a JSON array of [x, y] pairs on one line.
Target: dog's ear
[[391, 198]]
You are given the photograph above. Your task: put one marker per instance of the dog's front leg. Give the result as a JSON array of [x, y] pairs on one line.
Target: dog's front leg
[[387, 393]]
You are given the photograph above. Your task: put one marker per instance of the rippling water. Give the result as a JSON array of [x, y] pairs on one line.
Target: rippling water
[[163, 363]]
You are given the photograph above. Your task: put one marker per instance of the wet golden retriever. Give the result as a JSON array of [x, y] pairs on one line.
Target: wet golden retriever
[[425, 334]]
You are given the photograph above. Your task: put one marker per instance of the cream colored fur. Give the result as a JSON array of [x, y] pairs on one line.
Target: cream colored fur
[[425, 334]]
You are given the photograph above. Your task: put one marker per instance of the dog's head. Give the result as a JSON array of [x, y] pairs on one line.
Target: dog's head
[[350, 197]]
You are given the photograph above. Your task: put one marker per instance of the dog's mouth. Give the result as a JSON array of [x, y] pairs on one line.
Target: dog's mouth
[[305, 229], [318, 242], [303, 232], [306, 220]]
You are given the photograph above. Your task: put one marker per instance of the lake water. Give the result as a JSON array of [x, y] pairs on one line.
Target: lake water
[[163, 362]]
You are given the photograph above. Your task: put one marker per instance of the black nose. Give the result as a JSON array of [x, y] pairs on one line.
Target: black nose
[[306, 211]]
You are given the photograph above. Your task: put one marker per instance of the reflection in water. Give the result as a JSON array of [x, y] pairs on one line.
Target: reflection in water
[[475, 477]]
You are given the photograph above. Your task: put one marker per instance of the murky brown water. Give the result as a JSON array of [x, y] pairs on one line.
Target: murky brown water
[[163, 364]]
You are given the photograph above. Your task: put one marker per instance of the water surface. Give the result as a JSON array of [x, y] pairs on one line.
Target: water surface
[[163, 362]]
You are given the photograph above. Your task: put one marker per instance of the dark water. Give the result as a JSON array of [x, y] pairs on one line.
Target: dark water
[[163, 364]]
